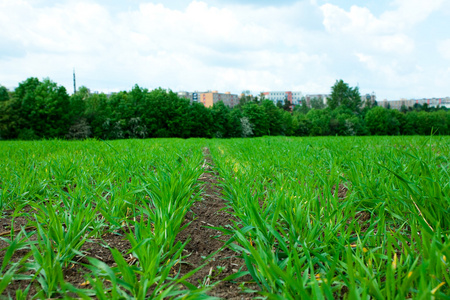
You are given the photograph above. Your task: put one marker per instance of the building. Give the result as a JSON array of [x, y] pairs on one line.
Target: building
[[193, 97], [409, 103], [210, 98], [322, 97], [368, 99], [294, 98]]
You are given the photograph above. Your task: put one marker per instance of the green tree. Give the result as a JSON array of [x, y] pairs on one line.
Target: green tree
[[200, 121], [288, 126], [4, 94], [79, 128], [382, 121], [220, 114], [178, 116], [355, 126], [225, 122], [398, 118], [287, 105], [158, 110], [301, 125], [97, 112], [246, 97], [165, 114], [431, 122], [404, 109], [339, 121], [377, 121], [317, 103], [24, 107], [343, 94], [302, 108], [417, 107], [52, 115], [39, 109], [273, 117], [320, 121], [78, 103], [257, 117], [5, 113], [235, 123], [369, 101], [412, 122], [345, 122]]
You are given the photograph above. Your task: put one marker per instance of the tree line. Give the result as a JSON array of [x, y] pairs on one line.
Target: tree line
[[42, 109]]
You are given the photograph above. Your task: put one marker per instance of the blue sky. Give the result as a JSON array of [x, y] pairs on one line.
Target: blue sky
[[397, 49]]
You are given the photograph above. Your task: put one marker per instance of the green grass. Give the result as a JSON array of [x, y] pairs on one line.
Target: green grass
[[387, 238], [300, 240], [72, 192]]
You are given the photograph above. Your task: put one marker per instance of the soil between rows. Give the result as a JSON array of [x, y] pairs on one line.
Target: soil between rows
[[211, 211]]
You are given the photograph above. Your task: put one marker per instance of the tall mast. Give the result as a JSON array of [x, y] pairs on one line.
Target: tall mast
[[74, 82]]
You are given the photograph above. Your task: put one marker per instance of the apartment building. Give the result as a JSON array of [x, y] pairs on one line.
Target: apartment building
[[431, 102], [368, 99], [279, 96], [193, 97], [365, 98], [209, 98]]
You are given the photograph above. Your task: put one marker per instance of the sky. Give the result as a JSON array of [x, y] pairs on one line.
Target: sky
[[395, 49]]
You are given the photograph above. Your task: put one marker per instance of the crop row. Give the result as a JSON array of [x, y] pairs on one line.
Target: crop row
[[61, 203], [338, 217], [365, 217]]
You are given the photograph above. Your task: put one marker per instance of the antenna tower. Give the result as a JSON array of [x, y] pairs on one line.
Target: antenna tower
[[74, 83]]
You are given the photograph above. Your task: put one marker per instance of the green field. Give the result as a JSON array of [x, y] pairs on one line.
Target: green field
[[319, 218]]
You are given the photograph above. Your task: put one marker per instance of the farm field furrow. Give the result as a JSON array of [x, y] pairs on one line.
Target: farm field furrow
[[271, 217], [206, 242]]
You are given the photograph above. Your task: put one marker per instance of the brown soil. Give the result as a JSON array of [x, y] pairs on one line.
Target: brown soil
[[342, 191], [212, 211], [75, 273]]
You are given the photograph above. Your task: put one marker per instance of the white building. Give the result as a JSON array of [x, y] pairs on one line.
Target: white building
[[431, 102], [279, 96]]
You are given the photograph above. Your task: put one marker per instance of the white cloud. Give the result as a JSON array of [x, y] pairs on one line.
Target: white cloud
[[407, 14], [358, 20], [410, 12], [396, 43], [384, 69], [360, 27], [228, 46], [388, 33], [205, 46]]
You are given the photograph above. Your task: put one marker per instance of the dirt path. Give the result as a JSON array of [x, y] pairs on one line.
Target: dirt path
[[210, 212]]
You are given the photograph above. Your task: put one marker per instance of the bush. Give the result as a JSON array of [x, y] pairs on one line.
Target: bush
[[27, 134], [80, 130]]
